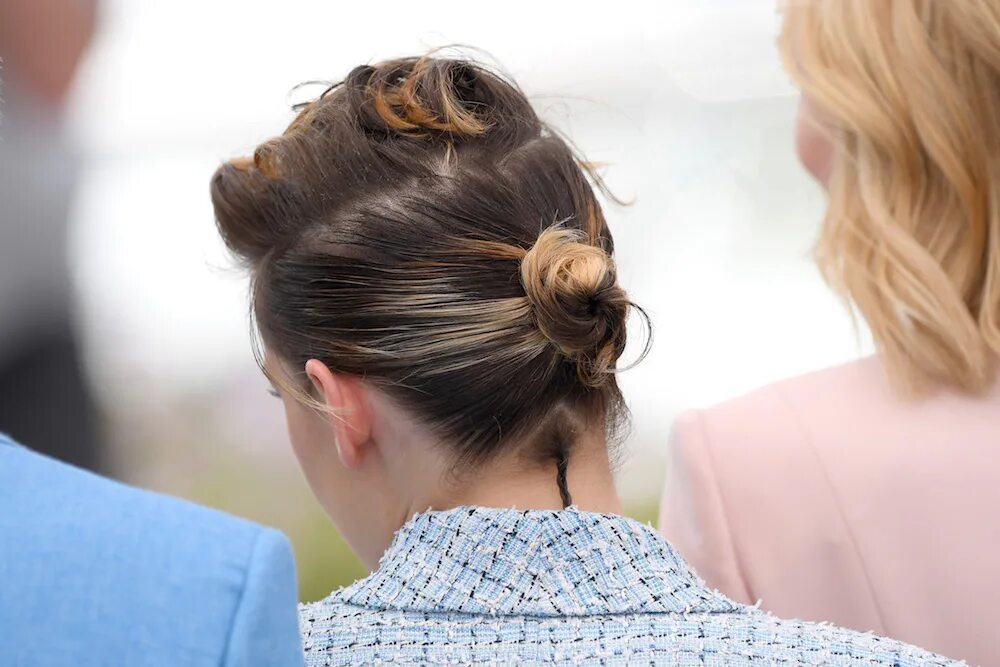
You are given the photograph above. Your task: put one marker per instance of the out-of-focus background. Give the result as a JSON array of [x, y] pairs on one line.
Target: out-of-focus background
[[684, 99]]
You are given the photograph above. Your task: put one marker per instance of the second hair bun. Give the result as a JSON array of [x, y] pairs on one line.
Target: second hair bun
[[578, 304]]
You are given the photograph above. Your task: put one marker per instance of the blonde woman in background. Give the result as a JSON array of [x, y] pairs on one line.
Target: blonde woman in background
[[867, 495]]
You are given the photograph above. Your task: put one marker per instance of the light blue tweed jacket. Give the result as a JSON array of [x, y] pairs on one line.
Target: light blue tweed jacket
[[475, 585]]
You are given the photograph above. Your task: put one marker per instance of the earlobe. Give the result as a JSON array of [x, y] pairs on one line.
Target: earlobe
[[812, 141], [347, 412]]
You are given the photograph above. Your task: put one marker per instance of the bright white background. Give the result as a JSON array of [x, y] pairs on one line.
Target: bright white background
[[684, 98]]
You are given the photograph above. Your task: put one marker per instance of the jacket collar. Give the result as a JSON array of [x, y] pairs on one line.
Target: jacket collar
[[477, 560]]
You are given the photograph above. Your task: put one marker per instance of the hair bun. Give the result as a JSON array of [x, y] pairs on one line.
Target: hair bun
[[578, 304], [428, 97], [247, 195]]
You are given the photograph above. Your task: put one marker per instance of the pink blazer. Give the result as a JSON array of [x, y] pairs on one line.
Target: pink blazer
[[827, 498]]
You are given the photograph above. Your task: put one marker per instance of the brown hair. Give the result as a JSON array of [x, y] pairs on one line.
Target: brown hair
[[419, 226], [910, 92]]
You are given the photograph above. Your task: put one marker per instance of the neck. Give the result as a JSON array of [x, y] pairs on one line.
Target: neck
[[512, 482]]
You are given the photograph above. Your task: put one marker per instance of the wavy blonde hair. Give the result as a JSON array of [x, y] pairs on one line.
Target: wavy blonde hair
[[910, 92]]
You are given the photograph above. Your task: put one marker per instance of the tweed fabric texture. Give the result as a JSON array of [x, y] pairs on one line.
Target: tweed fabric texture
[[490, 586]]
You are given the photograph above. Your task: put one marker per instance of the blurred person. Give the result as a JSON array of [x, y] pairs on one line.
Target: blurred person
[[438, 310], [93, 572], [44, 397], [867, 495]]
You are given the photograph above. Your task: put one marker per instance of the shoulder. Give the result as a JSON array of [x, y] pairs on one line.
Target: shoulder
[[69, 537], [50, 493], [733, 468], [777, 437], [773, 416]]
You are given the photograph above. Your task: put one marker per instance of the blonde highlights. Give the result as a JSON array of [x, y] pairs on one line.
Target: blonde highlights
[[910, 92]]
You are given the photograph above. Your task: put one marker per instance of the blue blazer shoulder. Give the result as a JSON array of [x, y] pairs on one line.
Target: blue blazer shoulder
[[93, 572]]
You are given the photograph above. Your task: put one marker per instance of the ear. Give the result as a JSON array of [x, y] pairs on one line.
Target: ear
[[349, 416]]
